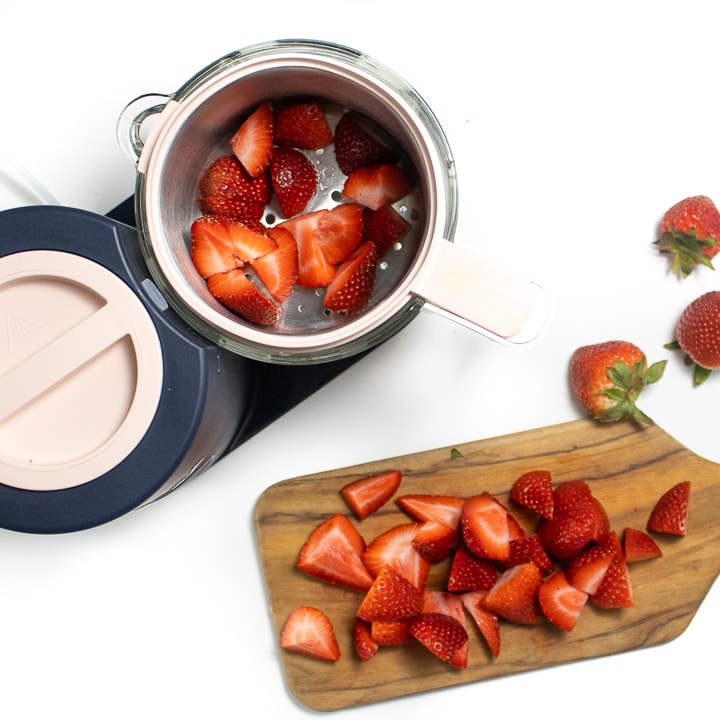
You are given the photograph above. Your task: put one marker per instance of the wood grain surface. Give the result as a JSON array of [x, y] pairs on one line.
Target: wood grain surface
[[627, 467]]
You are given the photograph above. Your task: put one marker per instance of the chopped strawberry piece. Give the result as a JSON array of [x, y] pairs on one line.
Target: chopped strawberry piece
[[293, 179], [469, 572], [227, 190], [441, 634], [366, 495], [671, 511], [390, 597], [308, 631], [390, 632], [374, 187], [529, 549], [349, 292], [638, 546], [435, 541], [237, 293], [615, 590], [356, 144], [487, 622], [438, 601], [340, 231], [441, 508], [484, 525], [384, 226], [515, 595], [560, 602], [365, 647], [333, 553], [252, 142], [278, 269], [302, 125], [313, 268], [587, 570], [395, 547], [533, 490]]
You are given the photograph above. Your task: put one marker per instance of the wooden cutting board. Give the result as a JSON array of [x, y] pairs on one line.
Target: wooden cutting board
[[627, 467]]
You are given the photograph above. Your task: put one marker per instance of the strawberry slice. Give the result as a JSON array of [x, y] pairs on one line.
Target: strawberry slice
[[587, 570], [390, 597], [349, 292], [529, 549], [237, 293], [252, 142], [357, 144], [226, 189], [384, 226], [484, 525], [469, 572], [395, 547], [444, 509], [365, 647], [670, 513], [515, 595], [219, 244], [313, 268], [487, 622], [340, 231], [374, 187], [333, 553], [441, 634], [615, 590], [533, 490], [445, 603], [390, 632], [278, 269], [638, 546], [293, 179], [303, 126], [308, 631], [366, 495], [560, 602], [435, 541]]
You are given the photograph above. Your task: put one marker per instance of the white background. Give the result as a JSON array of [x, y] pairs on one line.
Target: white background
[[574, 126]]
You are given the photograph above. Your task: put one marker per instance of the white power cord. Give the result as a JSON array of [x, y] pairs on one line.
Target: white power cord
[[18, 178]]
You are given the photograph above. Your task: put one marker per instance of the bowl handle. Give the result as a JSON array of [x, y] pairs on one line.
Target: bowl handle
[[137, 125]]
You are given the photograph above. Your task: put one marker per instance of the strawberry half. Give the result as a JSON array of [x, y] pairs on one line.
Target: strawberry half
[[339, 231], [349, 292], [487, 622], [278, 269], [515, 595], [529, 549], [395, 548], [293, 179], [237, 293], [670, 513], [484, 524], [303, 126], [533, 490], [441, 634], [587, 570], [444, 509], [366, 495], [314, 270], [560, 602], [469, 572], [435, 541], [384, 226], [252, 142], [374, 187], [445, 603], [333, 553], [357, 146], [308, 631], [390, 597], [638, 546]]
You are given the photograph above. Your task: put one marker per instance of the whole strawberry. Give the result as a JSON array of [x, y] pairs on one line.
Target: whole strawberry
[[690, 231], [607, 378], [698, 335]]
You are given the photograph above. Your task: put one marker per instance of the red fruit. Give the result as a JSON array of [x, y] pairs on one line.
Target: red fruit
[[374, 187], [366, 495], [308, 631], [349, 292], [469, 572], [333, 553], [515, 595], [302, 125], [441, 508], [560, 602], [533, 490], [488, 622], [607, 378], [698, 334], [615, 590], [365, 647], [313, 268], [690, 231], [587, 570], [395, 547], [670, 513], [578, 518], [227, 190], [356, 144], [484, 524], [252, 142], [435, 541], [441, 634], [529, 549], [390, 597], [384, 226], [293, 180], [445, 603], [237, 293], [390, 632], [638, 546], [339, 231], [278, 269]]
